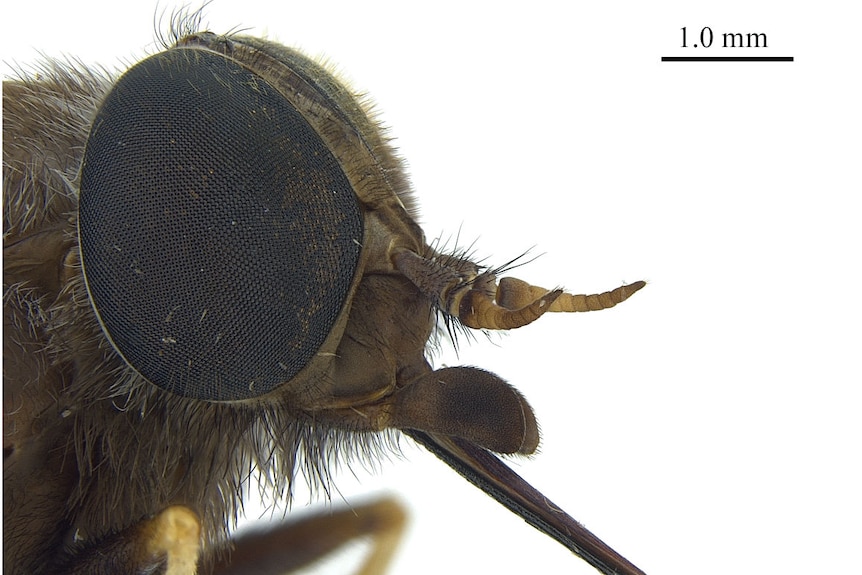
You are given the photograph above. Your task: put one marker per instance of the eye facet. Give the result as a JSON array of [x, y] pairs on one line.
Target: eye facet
[[219, 235]]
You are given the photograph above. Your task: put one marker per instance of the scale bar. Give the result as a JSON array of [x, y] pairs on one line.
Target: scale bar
[[727, 58]]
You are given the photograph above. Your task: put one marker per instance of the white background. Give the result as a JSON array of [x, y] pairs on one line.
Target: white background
[[711, 424]]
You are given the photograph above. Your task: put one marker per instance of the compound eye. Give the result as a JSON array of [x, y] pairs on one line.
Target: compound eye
[[219, 235]]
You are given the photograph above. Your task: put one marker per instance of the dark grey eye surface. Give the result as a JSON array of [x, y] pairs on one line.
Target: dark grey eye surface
[[219, 236]]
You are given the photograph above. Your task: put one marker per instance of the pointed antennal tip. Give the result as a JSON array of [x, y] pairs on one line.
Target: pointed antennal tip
[[513, 293]]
